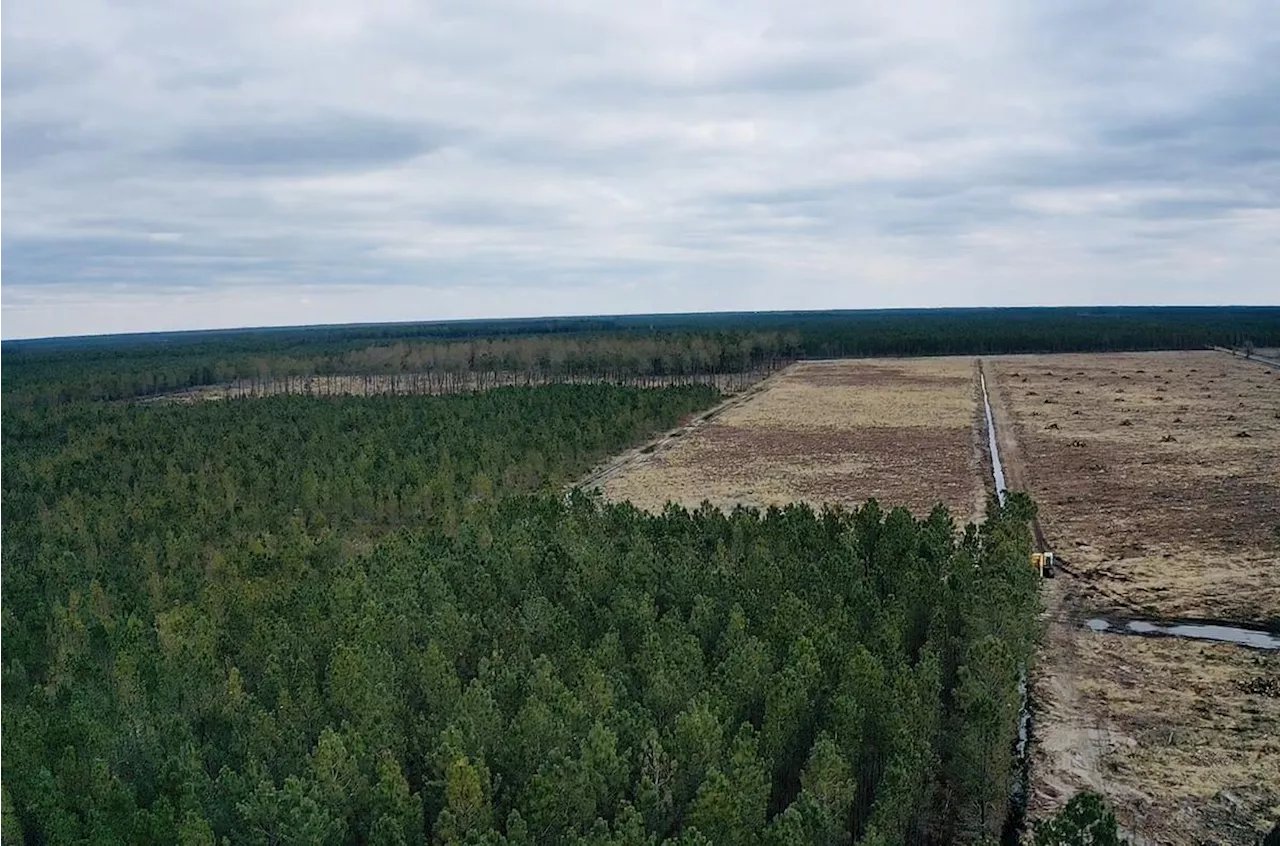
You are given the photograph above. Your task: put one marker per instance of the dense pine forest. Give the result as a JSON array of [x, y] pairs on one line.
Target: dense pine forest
[[344, 619], [614, 348], [351, 620]]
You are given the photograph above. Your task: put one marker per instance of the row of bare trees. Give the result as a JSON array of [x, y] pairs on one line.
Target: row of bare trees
[[455, 382]]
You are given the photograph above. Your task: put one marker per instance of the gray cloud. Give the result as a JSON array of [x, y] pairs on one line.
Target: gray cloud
[[333, 142], [27, 142], [800, 74], [30, 65], [212, 164], [1237, 131], [791, 71]]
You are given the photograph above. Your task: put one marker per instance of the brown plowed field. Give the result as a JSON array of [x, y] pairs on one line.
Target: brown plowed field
[[1182, 527], [1160, 507], [902, 431]]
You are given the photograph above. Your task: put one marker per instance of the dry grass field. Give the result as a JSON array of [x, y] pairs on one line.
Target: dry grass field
[[1194, 749], [1179, 735], [902, 431], [1158, 477]]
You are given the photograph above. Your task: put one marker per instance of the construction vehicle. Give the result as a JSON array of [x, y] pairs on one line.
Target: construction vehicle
[[1043, 563]]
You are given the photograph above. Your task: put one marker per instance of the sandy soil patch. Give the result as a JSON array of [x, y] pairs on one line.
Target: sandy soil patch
[[1192, 749]]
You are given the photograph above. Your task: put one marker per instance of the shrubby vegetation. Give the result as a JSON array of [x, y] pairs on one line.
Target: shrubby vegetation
[[1085, 821], [378, 620]]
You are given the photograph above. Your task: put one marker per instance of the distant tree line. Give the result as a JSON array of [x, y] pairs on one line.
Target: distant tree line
[[379, 620], [97, 374], [65, 370]]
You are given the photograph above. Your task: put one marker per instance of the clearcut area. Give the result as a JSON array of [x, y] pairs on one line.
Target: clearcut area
[[904, 431], [1158, 481]]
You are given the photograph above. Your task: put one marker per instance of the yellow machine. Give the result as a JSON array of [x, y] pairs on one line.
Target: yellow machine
[[1043, 562]]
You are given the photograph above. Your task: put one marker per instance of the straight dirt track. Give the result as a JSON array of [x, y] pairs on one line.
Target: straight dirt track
[[1160, 508]]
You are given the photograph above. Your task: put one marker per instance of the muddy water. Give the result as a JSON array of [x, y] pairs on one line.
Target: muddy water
[[1015, 821], [1205, 631], [997, 469]]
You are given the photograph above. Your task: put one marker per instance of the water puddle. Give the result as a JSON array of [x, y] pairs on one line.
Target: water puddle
[[1205, 631], [997, 469], [1015, 822]]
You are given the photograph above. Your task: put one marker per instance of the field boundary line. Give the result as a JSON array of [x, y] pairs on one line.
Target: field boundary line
[[1264, 360], [612, 467]]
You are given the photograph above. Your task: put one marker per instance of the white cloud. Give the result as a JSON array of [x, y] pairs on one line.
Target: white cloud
[[212, 164]]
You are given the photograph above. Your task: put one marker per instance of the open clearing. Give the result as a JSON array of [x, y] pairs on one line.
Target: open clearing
[[1158, 477], [1166, 528], [902, 430], [1193, 748], [1179, 735]]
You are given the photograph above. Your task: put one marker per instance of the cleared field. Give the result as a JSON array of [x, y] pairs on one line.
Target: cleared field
[[902, 431], [1158, 477], [1195, 751], [1180, 736]]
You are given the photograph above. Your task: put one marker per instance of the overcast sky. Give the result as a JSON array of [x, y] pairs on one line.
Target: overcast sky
[[182, 165]]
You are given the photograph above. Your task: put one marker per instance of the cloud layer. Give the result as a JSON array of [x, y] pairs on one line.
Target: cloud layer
[[175, 165]]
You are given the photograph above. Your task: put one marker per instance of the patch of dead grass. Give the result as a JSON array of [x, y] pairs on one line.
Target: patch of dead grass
[[1189, 748], [841, 432], [843, 395]]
